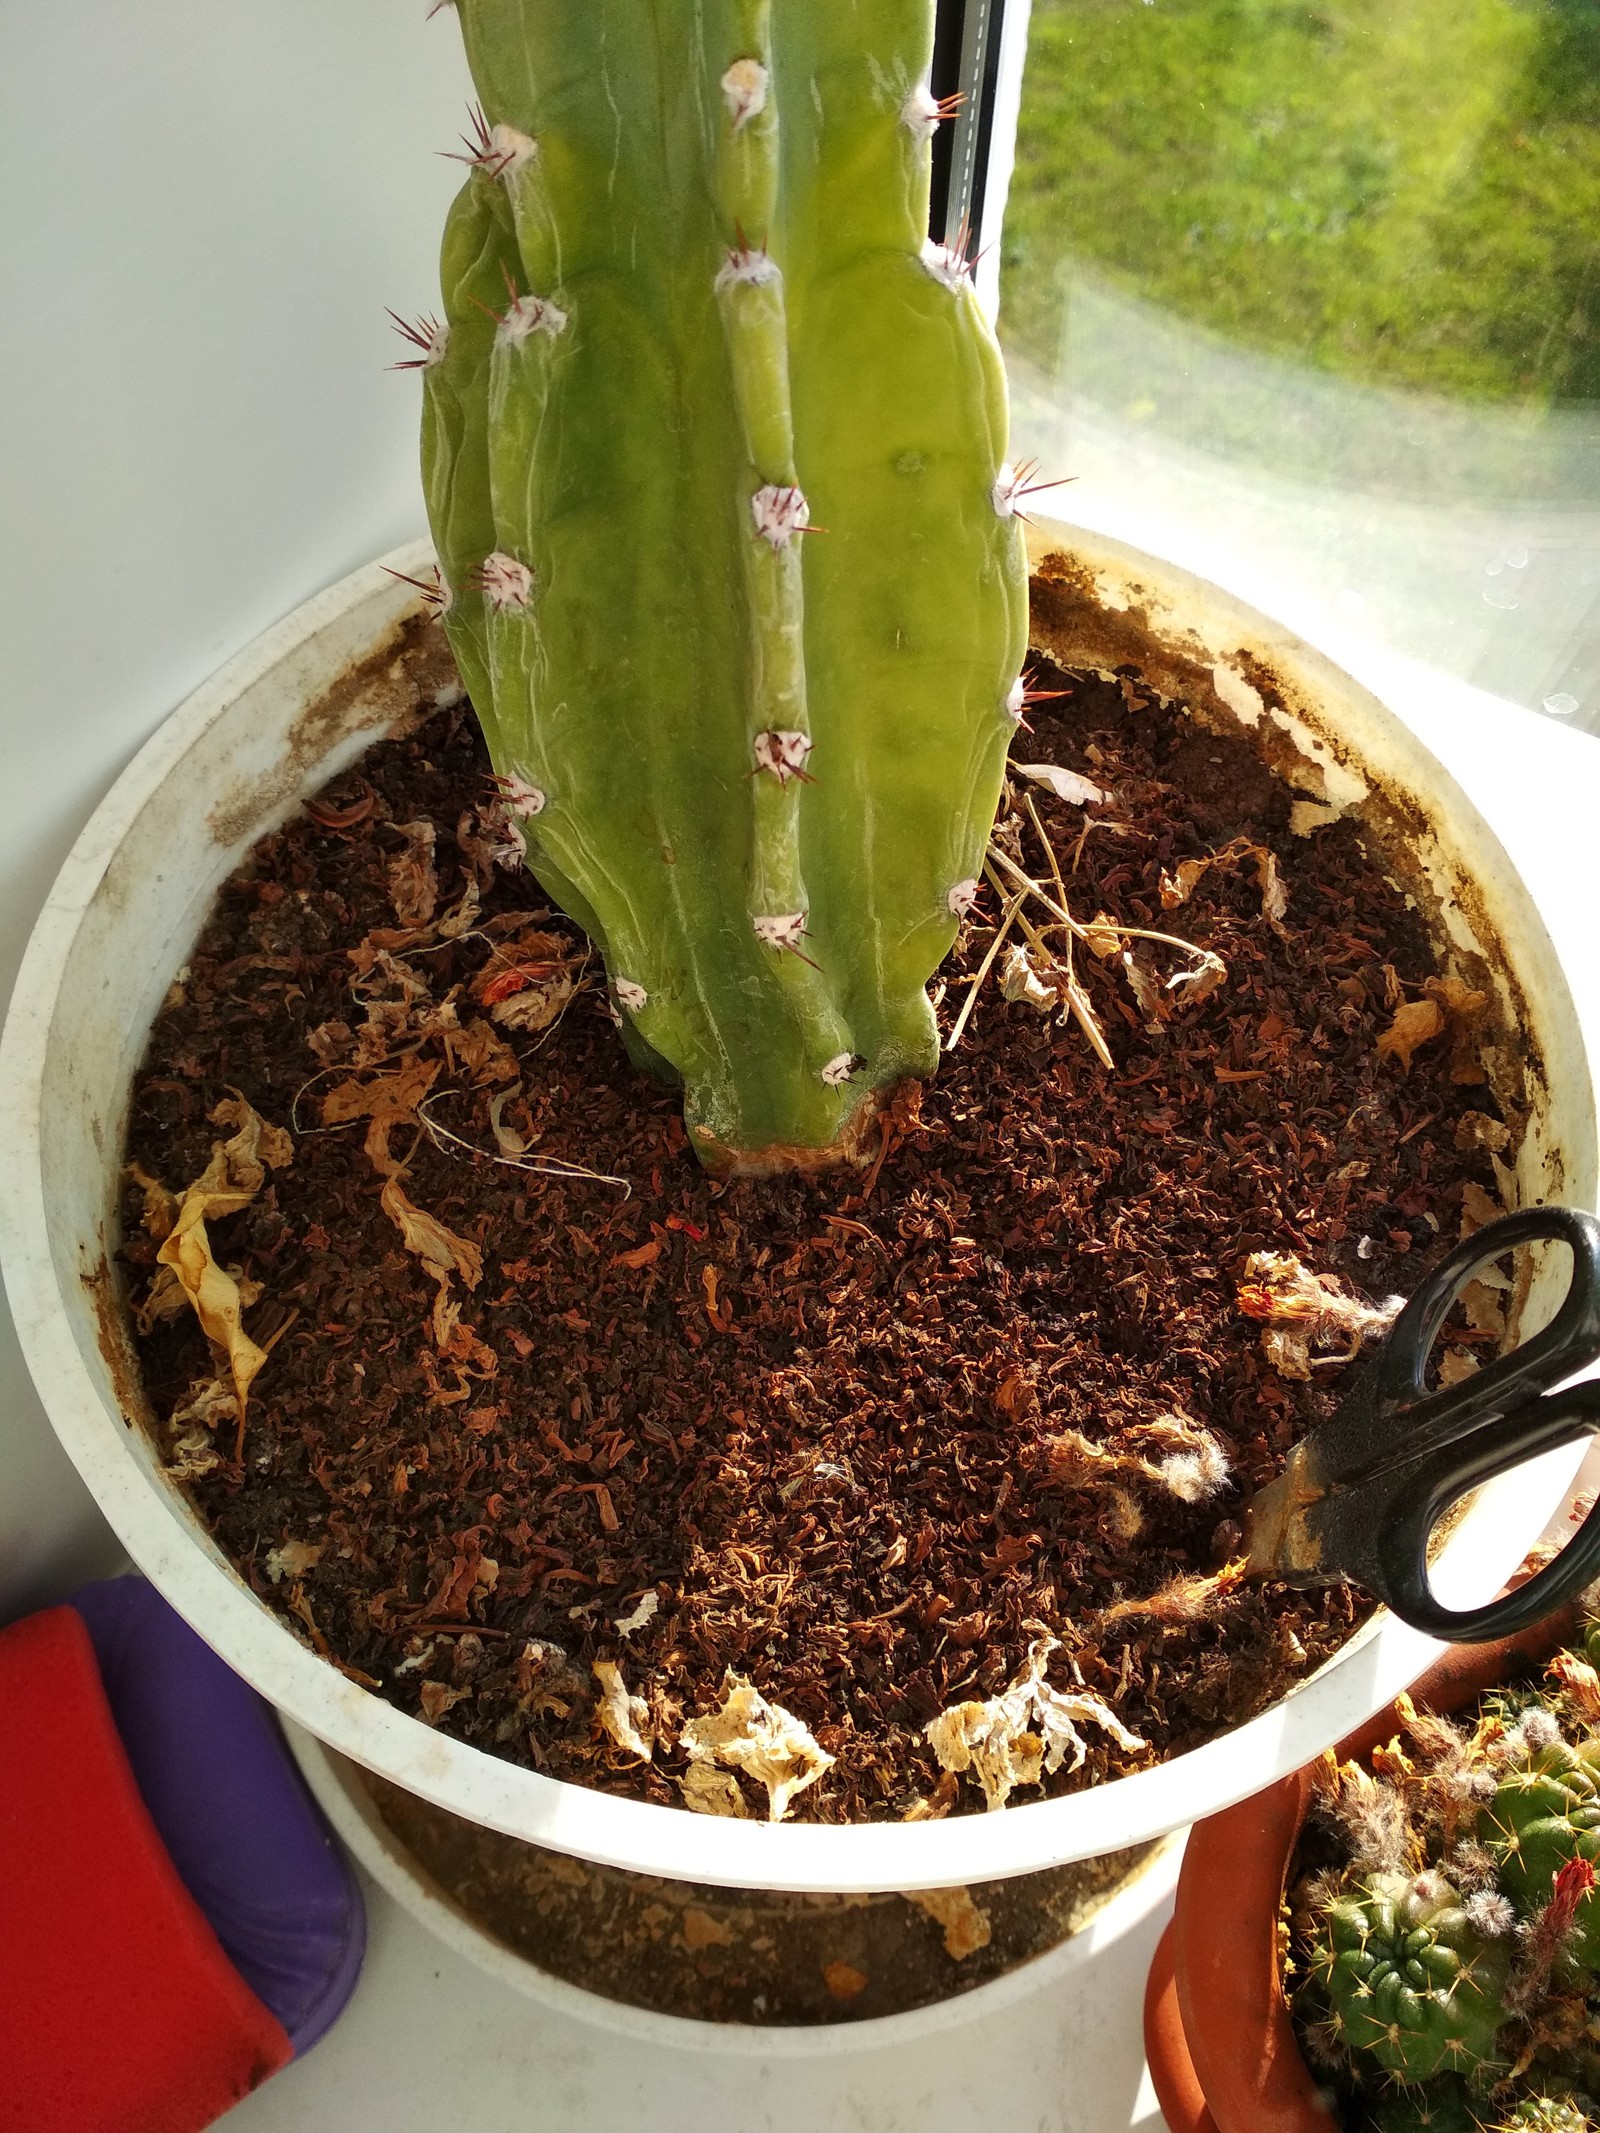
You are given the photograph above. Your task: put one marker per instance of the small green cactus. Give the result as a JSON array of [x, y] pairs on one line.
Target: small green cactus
[[1442, 2107], [692, 318], [1410, 1984], [1546, 1813], [1547, 2114]]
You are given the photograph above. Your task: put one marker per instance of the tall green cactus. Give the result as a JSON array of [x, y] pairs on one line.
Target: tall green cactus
[[692, 318]]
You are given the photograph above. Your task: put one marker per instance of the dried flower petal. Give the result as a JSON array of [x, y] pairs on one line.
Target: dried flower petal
[[994, 1739], [623, 1716], [763, 1740]]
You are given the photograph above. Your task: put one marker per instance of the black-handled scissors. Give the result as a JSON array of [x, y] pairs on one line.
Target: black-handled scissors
[[1361, 1495]]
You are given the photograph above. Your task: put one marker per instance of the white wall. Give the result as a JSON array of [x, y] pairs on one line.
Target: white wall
[[203, 211]]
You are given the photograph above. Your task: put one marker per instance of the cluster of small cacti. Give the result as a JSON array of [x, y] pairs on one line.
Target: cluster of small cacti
[[1446, 1953], [715, 457]]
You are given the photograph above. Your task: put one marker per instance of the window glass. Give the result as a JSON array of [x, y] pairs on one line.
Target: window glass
[[1305, 295]]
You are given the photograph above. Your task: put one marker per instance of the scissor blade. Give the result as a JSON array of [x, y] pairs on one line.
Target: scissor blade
[[1282, 1526]]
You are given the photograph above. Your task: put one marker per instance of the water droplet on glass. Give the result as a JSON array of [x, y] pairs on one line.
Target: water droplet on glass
[[1501, 596], [1561, 705], [1517, 558]]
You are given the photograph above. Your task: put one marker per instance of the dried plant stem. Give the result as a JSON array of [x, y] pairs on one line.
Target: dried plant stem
[[1065, 918], [967, 1005], [543, 1166]]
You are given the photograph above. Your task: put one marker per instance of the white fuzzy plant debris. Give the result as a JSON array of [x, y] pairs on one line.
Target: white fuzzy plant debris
[[1029, 1730], [1173, 1452], [761, 1739], [1302, 1310], [624, 1717]]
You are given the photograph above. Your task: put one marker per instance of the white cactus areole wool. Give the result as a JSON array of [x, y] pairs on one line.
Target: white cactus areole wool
[[1016, 700], [920, 113], [630, 995], [745, 88], [522, 797], [783, 752], [962, 896], [509, 150], [784, 929], [506, 584], [748, 266], [529, 315], [779, 513], [839, 1069], [1007, 484], [946, 265]]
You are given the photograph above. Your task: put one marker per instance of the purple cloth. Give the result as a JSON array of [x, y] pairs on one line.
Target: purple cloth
[[245, 1835]]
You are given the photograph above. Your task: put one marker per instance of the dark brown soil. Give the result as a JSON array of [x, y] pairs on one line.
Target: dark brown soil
[[813, 1418], [746, 1955]]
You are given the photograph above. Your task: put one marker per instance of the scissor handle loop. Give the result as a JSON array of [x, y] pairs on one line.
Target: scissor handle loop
[[1419, 1498], [1567, 1344]]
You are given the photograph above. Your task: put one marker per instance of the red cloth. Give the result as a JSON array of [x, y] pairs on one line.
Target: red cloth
[[119, 2012]]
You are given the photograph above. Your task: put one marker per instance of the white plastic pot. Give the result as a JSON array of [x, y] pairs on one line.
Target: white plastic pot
[[350, 1808], [297, 707]]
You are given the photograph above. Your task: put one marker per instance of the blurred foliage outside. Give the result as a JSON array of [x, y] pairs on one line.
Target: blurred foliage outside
[[1405, 192]]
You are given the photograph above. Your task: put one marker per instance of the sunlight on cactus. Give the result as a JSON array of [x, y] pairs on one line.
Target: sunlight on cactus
[[714, 445]]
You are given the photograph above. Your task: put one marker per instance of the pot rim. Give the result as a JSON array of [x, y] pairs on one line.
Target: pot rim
[[393, 1866], [76, 1383]]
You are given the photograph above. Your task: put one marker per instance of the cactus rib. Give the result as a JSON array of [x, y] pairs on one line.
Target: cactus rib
[[688, 318]]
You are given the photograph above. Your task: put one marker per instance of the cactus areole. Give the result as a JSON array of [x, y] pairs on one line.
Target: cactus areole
[[712, 439]]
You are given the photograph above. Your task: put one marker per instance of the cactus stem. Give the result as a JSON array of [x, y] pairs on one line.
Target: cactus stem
[[505, 583], [630, 995], [923, 113], [961, 897], [745, 88], [839, 1069], [780, 512], [430, 335], [1011, 483], [436, 593], [785, 753]]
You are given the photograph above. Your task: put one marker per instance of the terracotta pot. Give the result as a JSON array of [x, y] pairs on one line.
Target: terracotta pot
[[1223, 2054]]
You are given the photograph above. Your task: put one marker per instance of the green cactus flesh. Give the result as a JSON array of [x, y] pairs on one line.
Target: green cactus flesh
[[1410, 1986], [1542, 1815], [1441, 2107], [689, 302], [1546, 2114]]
